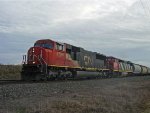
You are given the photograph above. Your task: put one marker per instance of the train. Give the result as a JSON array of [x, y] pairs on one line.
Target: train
[[50, 60]]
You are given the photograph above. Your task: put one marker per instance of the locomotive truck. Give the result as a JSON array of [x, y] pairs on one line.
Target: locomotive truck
[[49, 59]]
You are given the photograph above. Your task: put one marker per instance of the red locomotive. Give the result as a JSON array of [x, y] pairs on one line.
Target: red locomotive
[[119, 67], [50, 53], [47, 57], [52, 60]]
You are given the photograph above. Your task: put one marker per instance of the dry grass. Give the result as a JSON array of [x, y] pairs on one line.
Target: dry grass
[[10, 71], [115, 95]]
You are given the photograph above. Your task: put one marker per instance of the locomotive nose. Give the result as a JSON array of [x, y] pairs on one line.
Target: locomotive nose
[[34, 55]]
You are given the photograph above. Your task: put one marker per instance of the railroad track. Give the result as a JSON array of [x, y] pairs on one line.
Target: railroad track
[[5, 82]]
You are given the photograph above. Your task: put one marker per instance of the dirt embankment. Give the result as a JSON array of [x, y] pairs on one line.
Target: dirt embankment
[[115, 95]]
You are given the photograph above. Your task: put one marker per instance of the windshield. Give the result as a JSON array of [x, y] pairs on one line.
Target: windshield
[[44, 45]]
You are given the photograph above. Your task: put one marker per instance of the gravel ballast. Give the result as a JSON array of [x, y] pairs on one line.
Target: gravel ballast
[[114, 95]]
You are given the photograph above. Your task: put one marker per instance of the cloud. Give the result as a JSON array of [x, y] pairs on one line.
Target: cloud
[[137, 40], [28, 15], [117, 27]]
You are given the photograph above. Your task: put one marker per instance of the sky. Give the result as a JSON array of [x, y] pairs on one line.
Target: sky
[[119, 28]]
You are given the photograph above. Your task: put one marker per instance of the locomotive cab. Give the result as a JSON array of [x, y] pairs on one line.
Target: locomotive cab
[[40, 52]]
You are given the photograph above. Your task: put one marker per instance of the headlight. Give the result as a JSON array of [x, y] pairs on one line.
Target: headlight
[[33, 50]]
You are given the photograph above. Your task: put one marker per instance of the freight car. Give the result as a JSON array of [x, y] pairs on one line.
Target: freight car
[[148, 70], [144, 70], [137, 70], [49, 59]]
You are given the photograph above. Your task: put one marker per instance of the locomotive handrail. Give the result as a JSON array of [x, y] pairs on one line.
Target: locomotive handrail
[[24, 60], [45, 64], [38, 59], [41, 62]]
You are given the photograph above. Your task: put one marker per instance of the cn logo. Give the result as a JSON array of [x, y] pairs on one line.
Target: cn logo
[[87, 60]]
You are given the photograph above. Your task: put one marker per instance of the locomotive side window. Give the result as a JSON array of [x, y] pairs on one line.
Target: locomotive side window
[[60, 47], [68, 51]]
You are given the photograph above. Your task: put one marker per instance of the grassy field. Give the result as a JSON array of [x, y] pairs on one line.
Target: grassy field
[[10, 71], [114, 95]]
